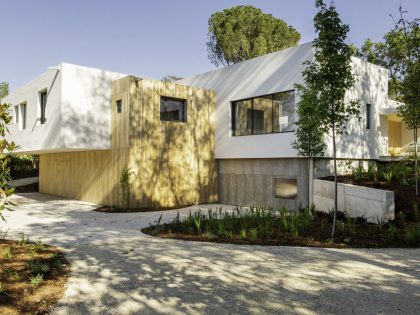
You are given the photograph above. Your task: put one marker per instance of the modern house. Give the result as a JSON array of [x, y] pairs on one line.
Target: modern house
[[224, 135]]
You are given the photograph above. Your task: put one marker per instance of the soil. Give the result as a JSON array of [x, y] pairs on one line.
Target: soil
[[405, 195], [21, 297], [27, 188], [365, 235], [108, 209]]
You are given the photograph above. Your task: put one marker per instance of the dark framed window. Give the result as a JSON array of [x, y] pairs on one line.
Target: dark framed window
[[264, 114], [173, 109], [285, 188], [118, 105], [43, 106], [368, 115], [16, 114]]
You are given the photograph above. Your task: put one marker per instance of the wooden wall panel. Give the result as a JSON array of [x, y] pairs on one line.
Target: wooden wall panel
[[173, 162]]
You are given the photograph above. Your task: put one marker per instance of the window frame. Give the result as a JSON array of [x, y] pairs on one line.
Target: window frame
[[233, 118], [170, 98], [285, 178], [43, 108], [118, 108], [368, 114], [23, 114]]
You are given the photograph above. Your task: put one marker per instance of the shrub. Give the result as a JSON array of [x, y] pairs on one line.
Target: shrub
[[125, 185], [253, 234], [36, 280], [7, 252], [38, 267], [412, 235]]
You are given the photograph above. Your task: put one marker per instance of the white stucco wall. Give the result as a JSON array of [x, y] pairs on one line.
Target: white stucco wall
[[36, 136], [278, 72], [78, 110]]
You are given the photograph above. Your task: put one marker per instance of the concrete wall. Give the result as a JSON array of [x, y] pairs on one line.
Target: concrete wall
[[357, 201], [278, 72], [248, 182], [78, 110]]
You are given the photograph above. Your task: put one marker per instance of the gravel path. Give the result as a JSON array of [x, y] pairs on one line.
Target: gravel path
[[118, 270]]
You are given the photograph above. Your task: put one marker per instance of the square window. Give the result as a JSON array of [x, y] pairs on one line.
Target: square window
[[172, 109], [285, 188], [119, 106]]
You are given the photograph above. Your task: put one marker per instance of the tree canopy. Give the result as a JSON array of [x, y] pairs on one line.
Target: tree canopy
[[244, 32], [4, 89]]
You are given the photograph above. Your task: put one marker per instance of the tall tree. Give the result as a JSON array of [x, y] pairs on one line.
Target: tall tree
[[244, 32], [407, 56], [4, 89], [328, 78]]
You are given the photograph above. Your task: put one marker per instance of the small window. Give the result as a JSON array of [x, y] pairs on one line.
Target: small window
[[43, 106], [172, 109], [368, 115], [16, 114], [119, 106], [23, 116], [285, 188]]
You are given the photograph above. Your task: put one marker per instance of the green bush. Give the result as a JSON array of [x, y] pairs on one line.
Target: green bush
[[412, 235], [24, 162]]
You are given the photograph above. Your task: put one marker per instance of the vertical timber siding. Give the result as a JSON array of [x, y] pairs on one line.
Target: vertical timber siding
[[173, 162]]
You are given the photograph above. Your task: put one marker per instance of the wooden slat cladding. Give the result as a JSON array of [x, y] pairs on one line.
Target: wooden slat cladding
[[173, 162]]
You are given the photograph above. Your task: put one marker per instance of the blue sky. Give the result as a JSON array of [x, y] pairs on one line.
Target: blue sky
[[150, 38]]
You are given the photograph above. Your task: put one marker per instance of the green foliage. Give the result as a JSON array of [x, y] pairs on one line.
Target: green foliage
[[2, 288], [358, 173], [412, 235], [6, 152], [243, 234], [393, 231], [125, 185], [309, 137], [329, 77], [23, 240], [244, 32], [4, 89], [36, 280], [340, 226], [38, 267], [7, 252], [24, 162], [170, 78], [253, 234]]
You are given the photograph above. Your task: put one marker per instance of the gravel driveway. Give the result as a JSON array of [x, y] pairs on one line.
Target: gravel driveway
[[118, 270]]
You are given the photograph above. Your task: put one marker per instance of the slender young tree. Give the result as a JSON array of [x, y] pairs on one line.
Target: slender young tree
[[328, 78]]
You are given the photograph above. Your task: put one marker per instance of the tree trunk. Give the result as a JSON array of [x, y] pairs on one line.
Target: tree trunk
[[415, 161], [335, 185]]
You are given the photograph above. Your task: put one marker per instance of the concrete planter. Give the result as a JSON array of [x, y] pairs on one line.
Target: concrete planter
[[374, 204]]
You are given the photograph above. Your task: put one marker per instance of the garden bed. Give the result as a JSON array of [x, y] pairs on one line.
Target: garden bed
[[32, 277], [405, 194], [259, 226]]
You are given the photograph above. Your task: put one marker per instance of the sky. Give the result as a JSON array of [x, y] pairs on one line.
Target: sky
[[151, 38]]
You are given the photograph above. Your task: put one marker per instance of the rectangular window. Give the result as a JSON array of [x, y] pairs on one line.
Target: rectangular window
[[16, 114], [43, 106], [368, 115], [172, 109], [285, 188], [119, 106], [23, 116], [265, 114]]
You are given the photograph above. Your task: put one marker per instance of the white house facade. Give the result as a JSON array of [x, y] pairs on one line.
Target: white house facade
[[254, 117]]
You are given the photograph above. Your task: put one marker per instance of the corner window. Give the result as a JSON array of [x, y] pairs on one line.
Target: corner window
[[265, 114], [172, 109], [43, 106], [285, 188], [368, 115], [22, 116], [119, 106], [16, 114]]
